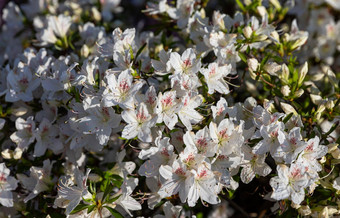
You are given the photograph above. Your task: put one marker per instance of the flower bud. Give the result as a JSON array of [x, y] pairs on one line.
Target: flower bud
[[253, 65], [84, 51], [250, 103], [247, 2], [275, 36], [321, 108], [302, 73], [285, 90], [299, 92], [247, 32], [261, 10], [17, 153], [276, 4], [19, 111], [323, 160], [261, 37], [285, 74], [7, 154], [316, 99], [287, 108], [96, 14], [286, 37], [304, 210], [334, 150], [299, 42], [330, 105]]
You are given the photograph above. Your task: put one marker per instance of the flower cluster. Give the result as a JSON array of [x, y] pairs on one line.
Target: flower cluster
[[98, 119]]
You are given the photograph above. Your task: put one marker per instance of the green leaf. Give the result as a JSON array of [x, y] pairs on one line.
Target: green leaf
[[239, 3], [243, 57], [115, 213], [285, 120], [79, 208], [90, 208], [131, 52], [140, 50], [108, 189], [112, 199]]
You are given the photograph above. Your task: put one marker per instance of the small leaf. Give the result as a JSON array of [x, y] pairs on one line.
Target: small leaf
[[90, 208], [115, 213], [79, 208], [112, 199], [285, 120], [140, 50], [243, 57], [108, 189]]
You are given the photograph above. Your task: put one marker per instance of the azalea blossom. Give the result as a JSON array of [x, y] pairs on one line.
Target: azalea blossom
[[166, 109], [120, 90], [139, 123], [7, 185], [290, 183], [214, 77], [70, 193], [25, 134], [38, 181]]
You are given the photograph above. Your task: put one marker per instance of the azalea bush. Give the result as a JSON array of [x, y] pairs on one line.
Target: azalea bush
[[170, 108]]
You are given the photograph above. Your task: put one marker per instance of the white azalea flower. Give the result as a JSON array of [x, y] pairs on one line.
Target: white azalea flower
[[185, 64], [21, 82], [70, 194], [203, 185], [121, 90], [170, 211], [25, 134], [290, 183], [187, 114], [99, 120], [161, 155], [125, 200], [273, 138], [7, 184], [162, 67], [200, 142], [46, 136], [123, 168], [227, 135], [177, 180], [38, 181], [60, 25], [166, 109], [139, 123], [293, 145], [253, 164], [214, 78], [311, 153]]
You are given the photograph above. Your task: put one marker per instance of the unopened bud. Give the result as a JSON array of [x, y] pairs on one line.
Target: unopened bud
[[275, 36], [96, 14], [84, 51], [285, 74], [247, 32], [17, 153], [304, 210], [287, 108], [253, 65], [261, 10], [276, 4], [299, 92], [330, 105], [285, 90], [7, 154], [299, 42], [302, 73]]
